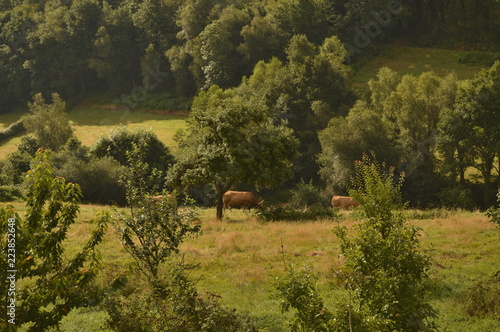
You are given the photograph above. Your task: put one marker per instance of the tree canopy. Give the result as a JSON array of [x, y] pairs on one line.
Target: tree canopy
[[231, 141]]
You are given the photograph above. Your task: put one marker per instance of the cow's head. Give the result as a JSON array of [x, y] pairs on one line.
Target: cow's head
[[260, 205]]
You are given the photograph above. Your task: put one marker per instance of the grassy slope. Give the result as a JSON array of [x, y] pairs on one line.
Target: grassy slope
[[90, 123], [414, 61]]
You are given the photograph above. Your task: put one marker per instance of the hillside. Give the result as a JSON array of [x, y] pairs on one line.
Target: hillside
[[92, 120]]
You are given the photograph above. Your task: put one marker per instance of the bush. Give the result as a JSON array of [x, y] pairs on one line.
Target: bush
[[12, 130], [385, 267], [278, 213], [181, 309], [165, 101], [457, 197], [54, 281], [155, 154], [479, 58], [483, 298], [16, 166], [9, 193], [306, 194], [494, 213], [98, 179]]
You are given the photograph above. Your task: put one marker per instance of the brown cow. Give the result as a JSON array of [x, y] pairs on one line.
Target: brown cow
[[241, 198], [344, 202], [170, 197]]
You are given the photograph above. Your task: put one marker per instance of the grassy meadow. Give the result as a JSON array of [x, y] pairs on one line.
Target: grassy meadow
[[240, 257], [92, 122], [414, 60]]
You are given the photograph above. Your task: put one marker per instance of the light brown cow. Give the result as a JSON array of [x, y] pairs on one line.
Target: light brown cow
[[244, 199], [344, 202], [170, 197]]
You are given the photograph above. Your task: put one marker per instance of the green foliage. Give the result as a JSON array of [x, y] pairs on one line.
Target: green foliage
[[154, 230], [155, 155], [48, 122], [307, 194], [494, 213], [296, 290], [384, 269], [313, 212], [16, 166], [52, 285], [458, 196], [12, 130], [398, 121], [9, 193], [483, 298], [182, 308], [479, 58], [470, 130], [384, 266], [164, 101], [232, 140]]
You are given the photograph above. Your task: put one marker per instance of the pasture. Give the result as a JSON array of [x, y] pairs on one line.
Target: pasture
[[94, 121], [240, 257]]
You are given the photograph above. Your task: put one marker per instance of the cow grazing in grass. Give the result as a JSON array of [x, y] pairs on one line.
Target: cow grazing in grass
[[344, 202], [170, 198], [244, 199]]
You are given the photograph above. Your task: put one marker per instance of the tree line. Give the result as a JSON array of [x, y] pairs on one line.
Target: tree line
[[280, 128], [272, 96], [136, 50]]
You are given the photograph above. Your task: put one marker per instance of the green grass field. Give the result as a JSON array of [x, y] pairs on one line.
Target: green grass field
[[414, 61], [240, 257], [90, 123]]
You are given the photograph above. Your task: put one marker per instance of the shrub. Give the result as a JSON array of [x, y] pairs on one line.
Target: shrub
[[384, 264], [306, 194], [99, 179], [383, 272], [16, 166], [494, 213], [165, 101], [483, 298], [278, 213], [9, 193], [12, 130], [48, 122], [457, 197], [53, 284], [181, 309], [155, 154], [479, 58]]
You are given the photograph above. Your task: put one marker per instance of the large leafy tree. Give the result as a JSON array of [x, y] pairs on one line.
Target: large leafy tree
[[229, 141], [470, 130], [307, 91], [48, 122], [399, 122], [52, 285]]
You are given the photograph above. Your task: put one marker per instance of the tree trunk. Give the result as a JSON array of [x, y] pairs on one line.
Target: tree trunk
[[220, 205], [221, 190]]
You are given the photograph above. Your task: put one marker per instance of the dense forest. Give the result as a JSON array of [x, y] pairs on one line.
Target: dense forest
[[292, 59]]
